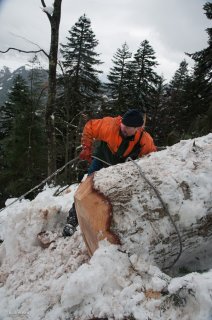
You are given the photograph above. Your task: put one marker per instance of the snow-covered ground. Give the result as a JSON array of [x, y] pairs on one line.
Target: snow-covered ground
[[62, 282]]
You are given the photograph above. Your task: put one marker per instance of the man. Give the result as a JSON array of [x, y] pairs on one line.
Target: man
[[117, 139]]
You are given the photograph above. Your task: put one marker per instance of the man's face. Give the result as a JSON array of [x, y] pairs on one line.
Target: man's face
[[128, 131]]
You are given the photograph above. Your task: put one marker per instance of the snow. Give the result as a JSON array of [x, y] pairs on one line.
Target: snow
[[48, 10], [118, 282]]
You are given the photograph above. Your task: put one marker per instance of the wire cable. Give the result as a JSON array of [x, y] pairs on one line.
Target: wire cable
[[165, 209], [40, 184], [108, 164], [162, 203]]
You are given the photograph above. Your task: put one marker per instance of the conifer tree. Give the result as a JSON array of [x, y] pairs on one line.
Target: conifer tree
[[203, 57], [200, 105], [178, 102], [144, 76], [38, 79], [80, 61], [119, 79], [81, 83], [23, 147], [157, 120], [177, 84]]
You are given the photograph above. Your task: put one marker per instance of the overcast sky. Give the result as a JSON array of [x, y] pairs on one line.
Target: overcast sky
[[171, 26]]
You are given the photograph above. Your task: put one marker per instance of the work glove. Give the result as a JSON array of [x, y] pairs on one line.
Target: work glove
[[85, 154]]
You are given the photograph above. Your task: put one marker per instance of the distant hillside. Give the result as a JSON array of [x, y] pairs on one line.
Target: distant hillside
[[7, 77]]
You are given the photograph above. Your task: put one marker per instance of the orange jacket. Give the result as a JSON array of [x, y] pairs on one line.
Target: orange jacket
[[108, 130]]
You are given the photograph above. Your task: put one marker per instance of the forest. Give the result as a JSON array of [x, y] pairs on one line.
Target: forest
[[36, 127]]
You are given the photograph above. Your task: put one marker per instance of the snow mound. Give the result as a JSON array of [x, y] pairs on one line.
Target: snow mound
[[61, 282]]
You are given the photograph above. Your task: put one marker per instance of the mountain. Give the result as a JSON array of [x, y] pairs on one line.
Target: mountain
[[7, 78], [5, 83]]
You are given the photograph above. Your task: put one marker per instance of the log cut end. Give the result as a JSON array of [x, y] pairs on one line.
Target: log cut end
[[94, 213]]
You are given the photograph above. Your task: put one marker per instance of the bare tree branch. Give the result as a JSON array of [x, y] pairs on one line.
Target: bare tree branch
[[44, 6], [61, 67], [24, 51], [41, 93], [21, 37]]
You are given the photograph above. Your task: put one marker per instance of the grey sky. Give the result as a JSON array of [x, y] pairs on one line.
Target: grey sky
[[171, 26]]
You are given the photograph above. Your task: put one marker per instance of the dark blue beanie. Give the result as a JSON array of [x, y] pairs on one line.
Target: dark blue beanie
[[133, 118]]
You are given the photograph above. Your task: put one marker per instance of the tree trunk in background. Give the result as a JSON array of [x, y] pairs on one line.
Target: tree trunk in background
[[54, 20]]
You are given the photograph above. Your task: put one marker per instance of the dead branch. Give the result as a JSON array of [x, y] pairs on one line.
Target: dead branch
[[44, 6], [24, 51]]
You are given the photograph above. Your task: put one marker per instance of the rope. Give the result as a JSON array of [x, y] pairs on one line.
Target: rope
[[108, 164], [40, 184], [165, 209]]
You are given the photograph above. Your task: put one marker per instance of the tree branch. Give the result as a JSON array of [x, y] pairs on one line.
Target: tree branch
[[41, 93], [48, 15], [20, 50]]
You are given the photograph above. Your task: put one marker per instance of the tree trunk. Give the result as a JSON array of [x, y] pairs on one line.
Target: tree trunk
[[146, 226], [51, 101]]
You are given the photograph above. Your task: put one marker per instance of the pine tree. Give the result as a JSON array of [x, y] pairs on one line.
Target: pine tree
[[38, 79], [177, 84], [80, 61], [203, 58], [81, 84], [144, 77], [24, 153], [200, 105], [157, 121], [178, 103], [119, 78]]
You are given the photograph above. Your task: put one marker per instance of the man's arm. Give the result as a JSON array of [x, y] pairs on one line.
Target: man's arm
[[91, 131], [94, 129], [147, 144]]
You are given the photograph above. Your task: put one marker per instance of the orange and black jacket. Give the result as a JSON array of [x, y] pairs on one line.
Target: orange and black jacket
[[111, 146]]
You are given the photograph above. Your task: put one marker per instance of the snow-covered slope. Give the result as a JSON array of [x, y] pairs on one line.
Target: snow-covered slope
[[61, 282]]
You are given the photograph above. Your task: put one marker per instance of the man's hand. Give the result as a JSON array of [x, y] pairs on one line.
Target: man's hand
[[85, 154]]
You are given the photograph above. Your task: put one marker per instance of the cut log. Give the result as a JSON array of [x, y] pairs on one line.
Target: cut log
[[182, 175], [94, 215]]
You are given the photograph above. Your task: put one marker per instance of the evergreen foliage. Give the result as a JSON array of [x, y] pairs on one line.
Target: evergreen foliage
[[119, 79], [144, 76], [200, 107], [157, 119], [178, 101], [22, 144], [81, 85], [80, 61], [133, 82]]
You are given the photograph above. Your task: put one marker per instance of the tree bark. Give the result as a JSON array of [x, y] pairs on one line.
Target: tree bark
[[54, 20], [145, 226]]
